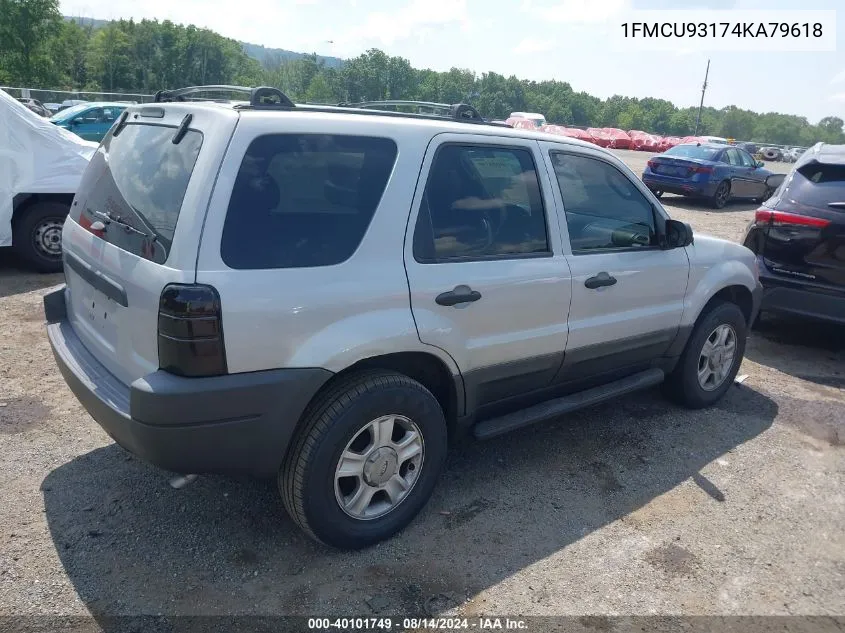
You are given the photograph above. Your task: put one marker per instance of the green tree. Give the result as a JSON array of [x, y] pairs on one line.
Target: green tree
[[27, 29], [70, 54], [319, 91], [110, 59]]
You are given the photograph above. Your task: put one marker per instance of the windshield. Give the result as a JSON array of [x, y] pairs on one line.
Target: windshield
[[700, 152], [71, 112]]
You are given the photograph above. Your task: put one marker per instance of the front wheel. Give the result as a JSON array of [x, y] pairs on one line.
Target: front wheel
[[711, 359], [366, 460], [37, 236], [766, 195]]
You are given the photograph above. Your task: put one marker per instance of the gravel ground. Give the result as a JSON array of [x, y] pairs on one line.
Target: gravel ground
[[632, 507]]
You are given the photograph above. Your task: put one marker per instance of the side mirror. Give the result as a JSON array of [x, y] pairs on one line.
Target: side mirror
[[774, 181], [678, 234], [760, 163]]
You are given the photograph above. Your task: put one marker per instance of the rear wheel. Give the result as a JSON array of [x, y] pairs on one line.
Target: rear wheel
[[711, 359], [658, 193], [37, 236], [366, 460], [722, 195]]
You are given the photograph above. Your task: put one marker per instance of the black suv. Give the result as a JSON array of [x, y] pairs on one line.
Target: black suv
[[799, 238]]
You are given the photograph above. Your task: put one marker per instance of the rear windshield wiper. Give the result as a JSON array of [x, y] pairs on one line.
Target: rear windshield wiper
[[112, 218]]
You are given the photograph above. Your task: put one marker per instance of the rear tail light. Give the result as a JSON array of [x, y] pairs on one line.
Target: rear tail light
[[700, 169], [652, 165], [190, 331], [780, 218]]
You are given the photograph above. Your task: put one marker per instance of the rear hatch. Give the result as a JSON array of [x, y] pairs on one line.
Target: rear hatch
[[135, 226], [804, 226]]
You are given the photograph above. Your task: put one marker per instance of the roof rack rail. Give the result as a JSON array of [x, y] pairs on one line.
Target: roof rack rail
[[456, 111], [269, 98], [263, 96]]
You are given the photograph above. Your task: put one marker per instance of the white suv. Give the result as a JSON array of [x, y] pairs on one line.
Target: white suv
[[327, 295]]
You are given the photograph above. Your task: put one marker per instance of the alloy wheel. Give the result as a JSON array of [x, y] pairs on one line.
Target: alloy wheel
[[379, 467], [717, 357]]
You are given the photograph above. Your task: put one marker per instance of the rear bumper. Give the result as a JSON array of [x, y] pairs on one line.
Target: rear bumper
[[679, 186], [802, 300], [237, 423]]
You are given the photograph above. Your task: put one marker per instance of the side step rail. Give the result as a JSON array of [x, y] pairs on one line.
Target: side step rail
[[559, 406]]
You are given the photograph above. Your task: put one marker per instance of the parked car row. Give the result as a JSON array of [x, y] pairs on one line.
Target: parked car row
[[798, 233]]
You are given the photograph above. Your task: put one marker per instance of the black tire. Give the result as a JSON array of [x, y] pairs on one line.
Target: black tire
[[766, 195], [37, 236], [307, 478], [721, 195], [682, 385], [658, 193]]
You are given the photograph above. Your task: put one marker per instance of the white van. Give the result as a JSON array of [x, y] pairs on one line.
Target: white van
[[536, 117]]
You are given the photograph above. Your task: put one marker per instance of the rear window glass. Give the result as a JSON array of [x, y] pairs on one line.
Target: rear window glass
[[694, 151], [818, 185], [135, 185], [303, 200]]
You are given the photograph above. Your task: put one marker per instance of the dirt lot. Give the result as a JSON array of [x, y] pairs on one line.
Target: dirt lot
[[633, 507]]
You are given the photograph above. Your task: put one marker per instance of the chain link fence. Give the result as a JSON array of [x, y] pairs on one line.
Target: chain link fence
[[57, 97]]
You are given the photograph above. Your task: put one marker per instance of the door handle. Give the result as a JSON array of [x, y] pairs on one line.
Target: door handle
[[599, 281], [461, 294]]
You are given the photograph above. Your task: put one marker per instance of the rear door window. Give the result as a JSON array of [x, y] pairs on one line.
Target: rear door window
[[137, 191], [481, 202], [303, 200]]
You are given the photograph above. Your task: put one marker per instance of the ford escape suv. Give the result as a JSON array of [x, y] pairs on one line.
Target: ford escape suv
[[327, 295]]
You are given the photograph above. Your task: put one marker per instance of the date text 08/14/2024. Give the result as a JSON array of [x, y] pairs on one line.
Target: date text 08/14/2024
[[415, 624]]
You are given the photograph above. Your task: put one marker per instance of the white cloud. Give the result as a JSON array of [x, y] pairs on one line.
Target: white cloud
[[838, 78], [837, 97], [418, 16], [533, 45], [576, 11]]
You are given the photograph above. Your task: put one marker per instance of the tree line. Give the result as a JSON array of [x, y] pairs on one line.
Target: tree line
[[41, 49]]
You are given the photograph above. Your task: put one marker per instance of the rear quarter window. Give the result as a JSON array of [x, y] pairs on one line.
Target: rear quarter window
[[818, 185], [304, 200]]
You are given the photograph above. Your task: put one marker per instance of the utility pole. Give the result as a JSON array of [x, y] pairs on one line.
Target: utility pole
[[701, 105]]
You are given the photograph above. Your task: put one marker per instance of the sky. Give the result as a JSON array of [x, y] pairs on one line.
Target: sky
[[565, 40]]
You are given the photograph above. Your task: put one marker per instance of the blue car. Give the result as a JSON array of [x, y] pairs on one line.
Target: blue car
[[712, 171], [91, 121]]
